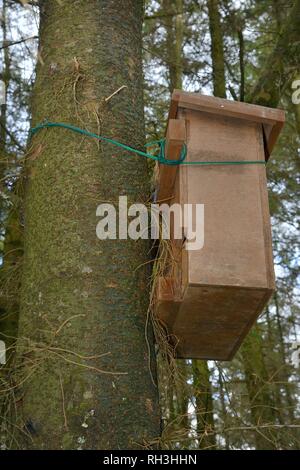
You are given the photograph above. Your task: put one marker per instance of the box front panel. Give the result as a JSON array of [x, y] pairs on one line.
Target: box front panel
[[237, 243]]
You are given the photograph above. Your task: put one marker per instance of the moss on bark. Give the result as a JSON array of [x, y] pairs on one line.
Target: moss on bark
[[80, 294]]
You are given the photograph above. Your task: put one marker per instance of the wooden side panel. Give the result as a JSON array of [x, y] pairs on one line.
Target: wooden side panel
[[272, 132]]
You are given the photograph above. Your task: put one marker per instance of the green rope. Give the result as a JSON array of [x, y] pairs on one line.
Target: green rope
[[160, 157]]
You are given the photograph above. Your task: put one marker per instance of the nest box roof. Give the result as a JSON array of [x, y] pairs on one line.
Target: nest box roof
[[272, 120]]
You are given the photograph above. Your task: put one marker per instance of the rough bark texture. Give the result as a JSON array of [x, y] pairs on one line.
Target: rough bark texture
[[82, 296], [217, 50]]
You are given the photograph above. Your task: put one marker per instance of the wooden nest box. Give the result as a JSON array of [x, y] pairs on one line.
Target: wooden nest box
[[209, 298]]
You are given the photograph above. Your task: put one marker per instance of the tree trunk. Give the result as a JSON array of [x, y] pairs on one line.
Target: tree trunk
[[204, 405], [241, 62], [5, 275], [223, 408], [289, 400], [174, 41], [5, 77], [86, 380], [217, 49], [257, 382]]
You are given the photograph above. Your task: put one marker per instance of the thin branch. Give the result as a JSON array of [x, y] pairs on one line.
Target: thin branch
[[13, 43], [115, 93], [63, 403], [23, 3], [12, 138]]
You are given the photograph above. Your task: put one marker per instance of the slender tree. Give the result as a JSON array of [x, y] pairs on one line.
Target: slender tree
[[10, 213], [217, 48], [261, 401], [204, 405], [173, 23], [5, 78]]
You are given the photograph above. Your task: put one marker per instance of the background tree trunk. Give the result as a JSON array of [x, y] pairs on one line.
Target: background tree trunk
[[5, 78], [204, 405], [11, 250], [282, 63], [257, 381], [173, 24], [217, 49], [82, 297]]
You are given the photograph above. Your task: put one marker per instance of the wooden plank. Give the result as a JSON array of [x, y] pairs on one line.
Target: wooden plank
[[212, 321], [227, 107], [206, 324], [272, 135], [175, 138], [174, 105]]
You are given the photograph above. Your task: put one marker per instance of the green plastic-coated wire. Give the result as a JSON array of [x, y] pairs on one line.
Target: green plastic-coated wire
[[160, 157]]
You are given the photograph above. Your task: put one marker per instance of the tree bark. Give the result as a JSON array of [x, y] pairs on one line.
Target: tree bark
[[204, 405], [289, 399], [241, 62], [223, 408], [217, 48], [257, 382], [81, 297], [174, 42]]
